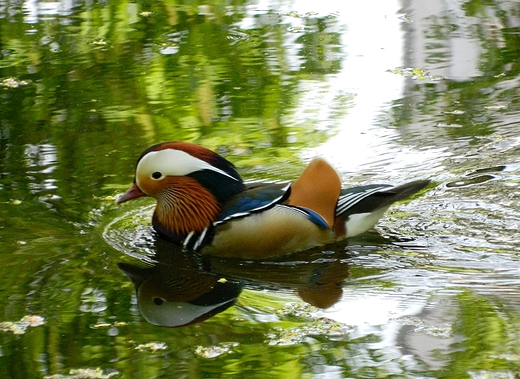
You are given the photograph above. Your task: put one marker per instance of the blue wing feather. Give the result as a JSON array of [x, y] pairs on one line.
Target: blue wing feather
[[314, 217], [258, 196]]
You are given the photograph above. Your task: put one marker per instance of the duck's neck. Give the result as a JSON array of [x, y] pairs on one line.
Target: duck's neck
[[181, 210]]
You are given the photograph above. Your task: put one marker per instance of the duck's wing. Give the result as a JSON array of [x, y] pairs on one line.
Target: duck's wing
[[370, 198], [256, 197], [312, 197], [360, 208], [315, 193]]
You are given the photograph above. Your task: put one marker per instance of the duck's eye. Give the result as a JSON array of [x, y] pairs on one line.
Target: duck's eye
[[157, 175], [158, 301]]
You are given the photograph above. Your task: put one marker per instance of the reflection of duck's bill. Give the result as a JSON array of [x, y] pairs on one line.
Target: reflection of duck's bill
[[134, 273], [176, 314]]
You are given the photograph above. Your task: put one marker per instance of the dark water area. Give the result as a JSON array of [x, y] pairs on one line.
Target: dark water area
[[387, 92]]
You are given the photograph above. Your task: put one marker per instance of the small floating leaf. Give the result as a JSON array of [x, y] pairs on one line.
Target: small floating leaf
[[405, 19], [414, 73], [296, 29], [496, 107], [421, 327], [455, 112], [20, 327], [33, 320], [84, 373], [101, 42], [445, 125], [13, 83], [151, 346], [319, 327], [297, 310], [215, 351], [101, 325]]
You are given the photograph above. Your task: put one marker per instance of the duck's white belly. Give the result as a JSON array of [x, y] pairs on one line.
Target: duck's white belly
[[277, 231]]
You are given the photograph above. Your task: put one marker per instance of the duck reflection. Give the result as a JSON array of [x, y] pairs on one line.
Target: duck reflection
[[182, 289]]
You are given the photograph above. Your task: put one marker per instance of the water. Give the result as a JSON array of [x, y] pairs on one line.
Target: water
[[387, 91]]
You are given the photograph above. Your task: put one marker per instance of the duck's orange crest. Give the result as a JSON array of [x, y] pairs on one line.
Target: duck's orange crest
[[318, 189]]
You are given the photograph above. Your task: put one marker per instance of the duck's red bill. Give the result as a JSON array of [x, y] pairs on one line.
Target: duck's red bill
[[133, 193]]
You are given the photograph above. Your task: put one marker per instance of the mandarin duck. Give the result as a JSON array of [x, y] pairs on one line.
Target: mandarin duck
[[204, 205]]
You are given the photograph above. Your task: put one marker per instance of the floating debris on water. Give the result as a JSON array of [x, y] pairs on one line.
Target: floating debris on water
[[496, 107], [152, 346], [84, 373], [297, 29], [104, 325], [414, 73], [446, 125], [405, 19], [296, 14], [20, 327], [420, 326], [297, 310], [13, 83], [455, 112], [319, 327], [101, 42], [215, 351]]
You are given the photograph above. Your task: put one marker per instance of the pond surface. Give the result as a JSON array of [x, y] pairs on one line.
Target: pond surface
[[387, 91]]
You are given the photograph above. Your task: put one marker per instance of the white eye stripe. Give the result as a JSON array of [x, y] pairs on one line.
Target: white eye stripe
[[171, 162]]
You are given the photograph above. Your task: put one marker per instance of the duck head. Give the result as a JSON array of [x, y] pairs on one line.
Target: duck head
[[189, 183]]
